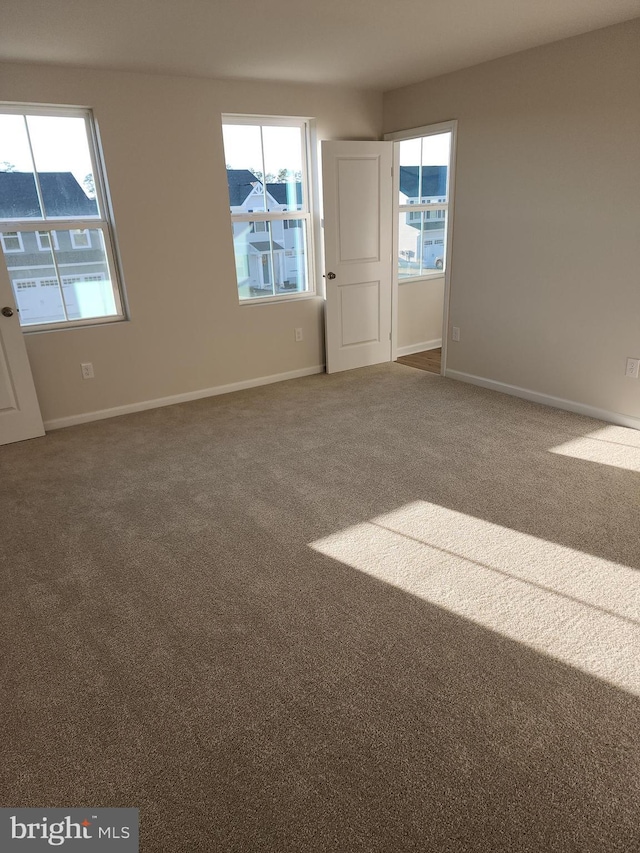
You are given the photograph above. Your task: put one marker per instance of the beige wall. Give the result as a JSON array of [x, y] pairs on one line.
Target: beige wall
[[162, 143], [420, 306], [545, 275]]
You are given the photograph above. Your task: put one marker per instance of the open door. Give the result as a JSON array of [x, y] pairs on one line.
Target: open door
[[19, 410], [357, 244]]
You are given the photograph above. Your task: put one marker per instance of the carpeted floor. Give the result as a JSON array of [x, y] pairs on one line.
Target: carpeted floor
[[375, 611]]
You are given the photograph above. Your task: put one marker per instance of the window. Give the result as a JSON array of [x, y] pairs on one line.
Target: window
[[12, 241], [45, 238], [267, 176], [53, 206], [80, 238], [423, 203]]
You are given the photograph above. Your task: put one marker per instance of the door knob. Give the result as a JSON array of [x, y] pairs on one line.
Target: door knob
[[331, 275], [7, 312]]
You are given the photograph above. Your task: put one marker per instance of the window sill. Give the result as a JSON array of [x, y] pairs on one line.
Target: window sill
[[430, 277], [64, 327], [283, 297]]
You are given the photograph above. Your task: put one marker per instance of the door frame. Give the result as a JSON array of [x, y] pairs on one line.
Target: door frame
[[396, 137]]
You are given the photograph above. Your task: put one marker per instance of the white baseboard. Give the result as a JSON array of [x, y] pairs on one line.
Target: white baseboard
[[425, 345], [547, 399], [101, 414]]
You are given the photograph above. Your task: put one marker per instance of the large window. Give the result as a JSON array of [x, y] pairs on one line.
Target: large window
[[270, 207], [423, 165], [55, 230]]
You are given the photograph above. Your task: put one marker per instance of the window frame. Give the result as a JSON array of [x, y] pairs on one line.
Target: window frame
[[12, 236], [103, 222], [398, 136], [73, 234], [53, 241], [308, 214], [443, 210]]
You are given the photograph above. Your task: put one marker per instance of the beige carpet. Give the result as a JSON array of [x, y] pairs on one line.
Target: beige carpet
[[377, 611]]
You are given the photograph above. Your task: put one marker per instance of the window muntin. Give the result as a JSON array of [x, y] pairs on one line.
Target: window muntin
[[272, 263], [52, 197], [420, 245], [267, 180], [423, 185], [63, 285]]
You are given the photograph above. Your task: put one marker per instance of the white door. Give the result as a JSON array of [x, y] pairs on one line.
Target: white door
[[356, 181], [19, 410]]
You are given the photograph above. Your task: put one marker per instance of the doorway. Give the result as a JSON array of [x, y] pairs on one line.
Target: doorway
[[423, 191]]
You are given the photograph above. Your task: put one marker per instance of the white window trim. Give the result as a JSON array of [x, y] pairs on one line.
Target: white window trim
[[310, 216], [11, 236], [53, 237], [104, 221], [72, 234]]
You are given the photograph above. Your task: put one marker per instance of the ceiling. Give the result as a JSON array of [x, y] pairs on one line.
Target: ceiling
[[377, 44]]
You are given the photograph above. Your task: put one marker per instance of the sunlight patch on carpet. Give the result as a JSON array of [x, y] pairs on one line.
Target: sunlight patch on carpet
[[575, 607], [615, 446]]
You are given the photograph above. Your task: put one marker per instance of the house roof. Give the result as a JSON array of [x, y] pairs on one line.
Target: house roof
[[434, 181], [289, 194], [265, 246], [61, 193], [241, 182]]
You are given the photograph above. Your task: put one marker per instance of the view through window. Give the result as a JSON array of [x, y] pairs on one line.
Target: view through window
[[54, 229], [423, 205], [269, 203]]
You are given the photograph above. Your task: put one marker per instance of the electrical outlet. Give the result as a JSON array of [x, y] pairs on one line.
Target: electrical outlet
[[87, 370], [633, 366], [455, 333], [298, 334]]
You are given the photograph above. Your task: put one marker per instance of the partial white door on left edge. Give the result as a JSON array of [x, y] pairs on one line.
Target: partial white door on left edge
[[356, 180], [19, 410]]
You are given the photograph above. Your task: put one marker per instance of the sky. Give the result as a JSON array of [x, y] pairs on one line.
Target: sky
[[243, 148], [59, 144], [435, 150], [282, 146]]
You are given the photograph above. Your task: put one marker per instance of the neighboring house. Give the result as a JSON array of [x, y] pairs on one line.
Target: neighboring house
[[253, 240], [35, 258], [418, 237]]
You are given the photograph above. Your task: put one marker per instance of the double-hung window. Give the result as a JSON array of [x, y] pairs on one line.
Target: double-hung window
[[267, 175], [55, 228], [423, 164]]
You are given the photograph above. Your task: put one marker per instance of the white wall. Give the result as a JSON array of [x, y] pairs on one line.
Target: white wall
[[420, 307], [162, 143], [545, 274]]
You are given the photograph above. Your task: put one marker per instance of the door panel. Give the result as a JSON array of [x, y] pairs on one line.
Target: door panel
[[19, 410], [357, 237], [360, 313]]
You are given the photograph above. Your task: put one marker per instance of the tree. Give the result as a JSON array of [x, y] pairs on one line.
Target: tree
[[6, 166], [89, 185], [283, 176]]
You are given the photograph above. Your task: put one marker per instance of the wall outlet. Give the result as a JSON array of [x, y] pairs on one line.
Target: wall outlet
[[633, 366], [455, 333], [298, 334], [87, 370]]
